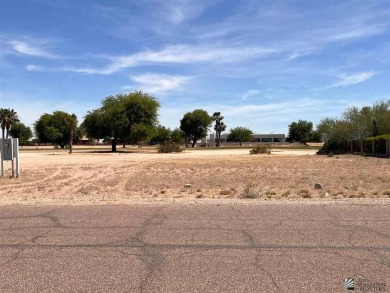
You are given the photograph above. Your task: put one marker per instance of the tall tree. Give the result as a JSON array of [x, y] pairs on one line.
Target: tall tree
[[21, 131], [194, 125], [8, 117], [300, 131], [218, 127], [54, 128], [240, 134], [128, 117]]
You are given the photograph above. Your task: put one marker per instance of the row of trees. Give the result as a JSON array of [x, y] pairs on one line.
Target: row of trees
[[356, 124], [133, 117], [128, 118]]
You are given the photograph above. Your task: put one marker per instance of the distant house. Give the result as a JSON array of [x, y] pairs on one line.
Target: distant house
[[86, 141]]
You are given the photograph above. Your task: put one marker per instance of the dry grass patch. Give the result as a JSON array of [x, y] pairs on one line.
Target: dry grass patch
[[135, 175]]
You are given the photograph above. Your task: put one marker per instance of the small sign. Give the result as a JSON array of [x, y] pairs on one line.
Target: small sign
[[8, 151]]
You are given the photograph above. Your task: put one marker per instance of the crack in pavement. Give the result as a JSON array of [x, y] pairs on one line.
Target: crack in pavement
[[151, 258], [257, 264], [155, 256]]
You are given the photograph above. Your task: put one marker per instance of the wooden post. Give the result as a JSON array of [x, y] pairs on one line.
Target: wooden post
[[361, 146], [373, 147], [351, 146]]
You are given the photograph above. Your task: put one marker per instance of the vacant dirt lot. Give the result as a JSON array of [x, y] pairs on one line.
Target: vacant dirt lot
[[55, 177]]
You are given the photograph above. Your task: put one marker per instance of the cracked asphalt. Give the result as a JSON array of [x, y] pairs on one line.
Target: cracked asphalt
[[193, 248]]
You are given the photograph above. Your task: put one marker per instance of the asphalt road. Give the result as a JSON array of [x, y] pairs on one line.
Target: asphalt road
[[194, 248]]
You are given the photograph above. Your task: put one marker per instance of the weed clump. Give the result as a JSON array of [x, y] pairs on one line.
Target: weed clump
[[225, 192], [305, 193], [169, 147], [260, 149], [249, 192]]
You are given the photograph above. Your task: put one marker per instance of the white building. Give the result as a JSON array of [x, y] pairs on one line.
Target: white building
[[259, 138]]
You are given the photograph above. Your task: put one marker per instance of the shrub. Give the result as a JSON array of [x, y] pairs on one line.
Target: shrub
[[260, 149], [304, 193], [249, 192], [225, 192], [169, 147]]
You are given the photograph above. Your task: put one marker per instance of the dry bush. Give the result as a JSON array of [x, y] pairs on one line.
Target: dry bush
[[169, 147], [225, 192], [260, 149], [249, 192], [305, 193], [270, 192], [131, 175]]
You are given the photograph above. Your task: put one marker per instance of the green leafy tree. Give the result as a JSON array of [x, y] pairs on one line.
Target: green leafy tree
[[194, 125], [126, 117], [355, 124], [55, 128], [160, 135], [8, 117], [300, 131], [93, 125], [177, 136], [219, 127], [240, 134], [21, 131]]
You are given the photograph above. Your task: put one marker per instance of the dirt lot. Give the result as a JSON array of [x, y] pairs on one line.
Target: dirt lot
[[55, 177]]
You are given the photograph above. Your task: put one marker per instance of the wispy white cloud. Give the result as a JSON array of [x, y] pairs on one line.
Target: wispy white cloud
[[261, 118], [179, 11], [249, 93], [355, 32], [179, 54], [157, 83], [30, 49], [296, 106], [350, 79], [36, 68]]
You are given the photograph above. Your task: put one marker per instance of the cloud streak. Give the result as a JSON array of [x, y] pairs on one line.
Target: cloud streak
[[179, 54], [157, 83], [30, 50], [248, 94], [351, 79]]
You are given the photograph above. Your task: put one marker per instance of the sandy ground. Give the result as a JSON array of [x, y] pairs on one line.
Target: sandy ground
[[85, 177]]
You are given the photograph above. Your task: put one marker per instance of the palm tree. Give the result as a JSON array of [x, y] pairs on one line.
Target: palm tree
[[8, 117], [3, 120], [218, 127]]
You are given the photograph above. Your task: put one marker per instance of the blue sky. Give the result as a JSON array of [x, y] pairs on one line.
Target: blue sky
[[263, 64]]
